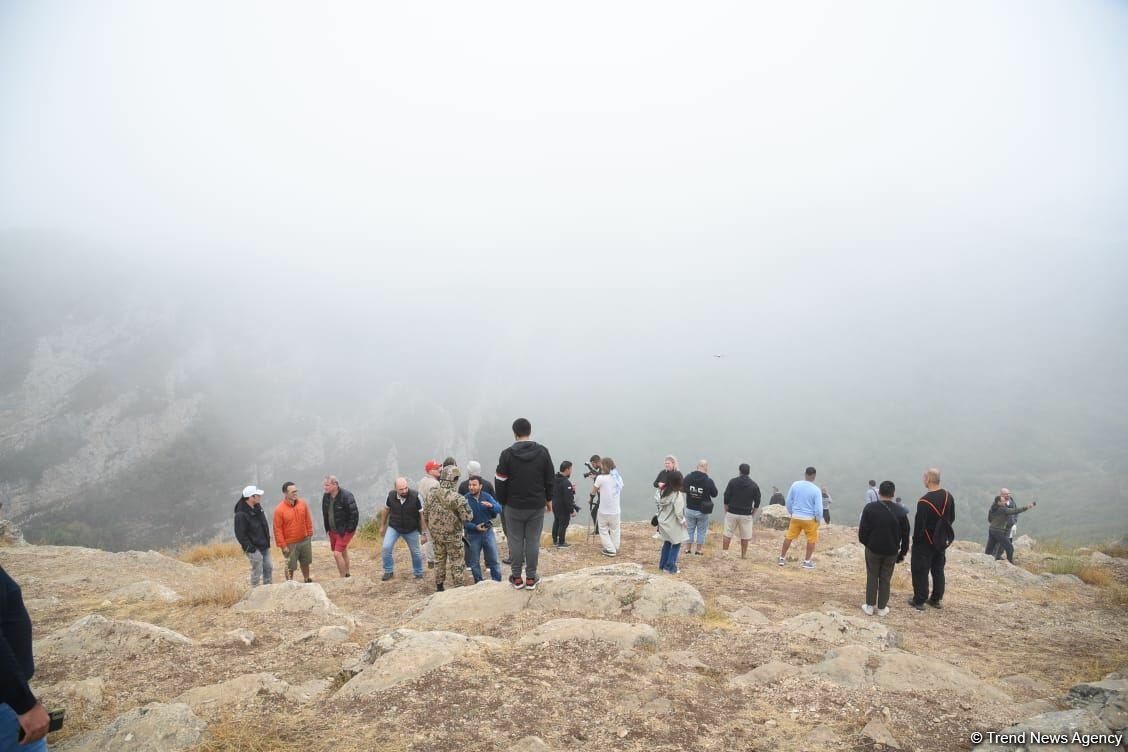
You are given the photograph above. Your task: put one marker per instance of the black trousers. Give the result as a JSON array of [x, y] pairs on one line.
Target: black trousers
[[560, 525], [826, 515], [926, 561], [999, 543]]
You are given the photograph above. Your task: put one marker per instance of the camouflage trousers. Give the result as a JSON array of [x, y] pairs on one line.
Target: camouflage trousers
[[449, 559]]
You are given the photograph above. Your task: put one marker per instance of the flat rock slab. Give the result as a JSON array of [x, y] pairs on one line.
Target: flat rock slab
[[611, 591], [1066, 722], [241, 688], [1024, 687], [89, 692], [144, 590], [403, 655], [1107, 699], [96, 633], [768, 673], [155, 727], [879, 733], [861, 667], [618, 633], [289, 598], [485, 601], [837, 629], [774, 516]]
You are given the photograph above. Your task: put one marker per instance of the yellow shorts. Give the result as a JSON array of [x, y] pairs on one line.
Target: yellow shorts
[[810, 527]]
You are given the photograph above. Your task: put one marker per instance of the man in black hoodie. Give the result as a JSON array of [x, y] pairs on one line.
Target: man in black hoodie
[[742, 499], [884, 531], [563, 504], [18, 707], [524, 487], [253, 533]]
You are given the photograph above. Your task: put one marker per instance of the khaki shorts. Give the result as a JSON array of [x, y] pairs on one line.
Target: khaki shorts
[[809, 527], [300, 553], [738, 526]]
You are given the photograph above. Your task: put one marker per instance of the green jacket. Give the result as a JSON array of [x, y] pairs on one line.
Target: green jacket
[[1000, 516]]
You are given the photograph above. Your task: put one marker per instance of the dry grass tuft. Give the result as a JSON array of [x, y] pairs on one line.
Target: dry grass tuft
[[1082, 568], [715, 618], [1118, 595], [221, 594], [1053, 546], [207, 552], [370, 531], [228, 734], [1114, 549]]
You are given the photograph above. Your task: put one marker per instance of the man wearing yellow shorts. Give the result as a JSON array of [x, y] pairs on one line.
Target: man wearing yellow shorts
[[804, 503]]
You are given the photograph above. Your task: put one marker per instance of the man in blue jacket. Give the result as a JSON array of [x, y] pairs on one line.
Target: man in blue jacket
[[479, 530]]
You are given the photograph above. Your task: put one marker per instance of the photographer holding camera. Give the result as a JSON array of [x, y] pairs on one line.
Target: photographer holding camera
[[23, 720], [593, 471]]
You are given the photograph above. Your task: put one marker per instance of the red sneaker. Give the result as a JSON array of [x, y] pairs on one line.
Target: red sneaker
[[517, 582]]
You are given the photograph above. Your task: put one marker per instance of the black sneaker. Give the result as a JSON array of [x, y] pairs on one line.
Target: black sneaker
[[309, 579], [531, 583], [430, 565], [387, 576], [934, 604], [565, 545], [439, 588], [918, 606], [506, 561]]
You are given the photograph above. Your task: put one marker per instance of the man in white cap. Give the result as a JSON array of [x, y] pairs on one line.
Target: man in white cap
[[253, 533]]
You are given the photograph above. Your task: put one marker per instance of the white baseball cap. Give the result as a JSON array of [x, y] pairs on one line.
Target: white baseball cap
[[250, 491]]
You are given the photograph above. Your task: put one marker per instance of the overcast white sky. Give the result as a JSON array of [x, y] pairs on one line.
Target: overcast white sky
[[523, 143]]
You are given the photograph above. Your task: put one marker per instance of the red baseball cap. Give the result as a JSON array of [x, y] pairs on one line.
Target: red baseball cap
[[431, 465]]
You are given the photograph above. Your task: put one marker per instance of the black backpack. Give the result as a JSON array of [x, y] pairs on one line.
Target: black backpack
[[942, 534]]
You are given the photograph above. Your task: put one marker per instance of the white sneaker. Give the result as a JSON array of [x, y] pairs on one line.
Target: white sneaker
[[867, 609], [883, 611], [782, 561]]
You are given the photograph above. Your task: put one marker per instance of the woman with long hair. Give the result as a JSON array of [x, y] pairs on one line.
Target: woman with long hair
[[609, 486], [672, 525]]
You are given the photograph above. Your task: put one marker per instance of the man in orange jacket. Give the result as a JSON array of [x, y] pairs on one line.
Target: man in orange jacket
[[293, 531]]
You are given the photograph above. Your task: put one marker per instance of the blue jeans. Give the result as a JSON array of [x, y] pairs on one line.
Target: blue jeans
[[412, 538], [698, 525], [10, 730], [486, 542], [668, 561]]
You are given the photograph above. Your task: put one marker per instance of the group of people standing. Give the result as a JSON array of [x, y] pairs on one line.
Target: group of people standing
[[293, 529]]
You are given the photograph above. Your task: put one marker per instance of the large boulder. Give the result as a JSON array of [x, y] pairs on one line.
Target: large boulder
[[767, 673], [1024, 543], [610, 591], [837, 629], [617, 590], [290, 598], [155, 727], [403, 655], [981, 564], [593, 630], [144, 590], [485, 601], [1107, 699], [861, 667], [774, 516], [241, 688], [1065, 723], [97, 634]]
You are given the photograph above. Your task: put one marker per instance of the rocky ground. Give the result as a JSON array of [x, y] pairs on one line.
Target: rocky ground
[[148, 652]]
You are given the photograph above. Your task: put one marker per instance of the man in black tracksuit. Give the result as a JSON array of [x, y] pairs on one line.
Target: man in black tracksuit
[[563, 504], [884, 531], [524, 487], [929, 555], [18, 706]]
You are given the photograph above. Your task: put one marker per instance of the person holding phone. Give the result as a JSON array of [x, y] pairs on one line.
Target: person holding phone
[[20, 712], [1001, 519]]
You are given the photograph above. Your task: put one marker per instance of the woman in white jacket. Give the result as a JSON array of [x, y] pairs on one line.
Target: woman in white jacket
[[672, 525]]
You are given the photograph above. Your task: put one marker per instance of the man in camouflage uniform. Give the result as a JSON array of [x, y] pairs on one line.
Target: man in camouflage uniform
[[446, 511]]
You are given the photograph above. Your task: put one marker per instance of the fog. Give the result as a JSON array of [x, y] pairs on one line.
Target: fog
[[352, 238]]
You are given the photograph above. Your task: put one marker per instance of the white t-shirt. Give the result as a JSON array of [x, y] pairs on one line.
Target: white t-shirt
[[608, 494]]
